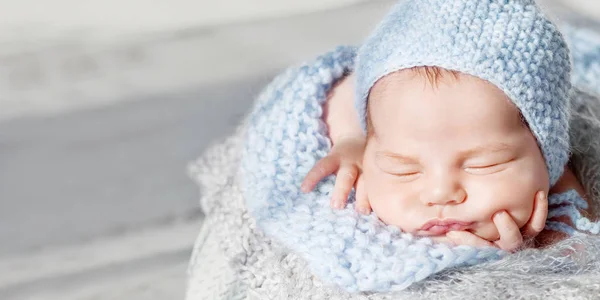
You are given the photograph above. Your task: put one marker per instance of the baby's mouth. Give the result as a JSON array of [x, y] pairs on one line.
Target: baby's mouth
[[439, 227]]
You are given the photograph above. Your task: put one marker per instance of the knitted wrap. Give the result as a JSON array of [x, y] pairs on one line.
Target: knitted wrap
[[285, 138], [509, 43], [254, 266]]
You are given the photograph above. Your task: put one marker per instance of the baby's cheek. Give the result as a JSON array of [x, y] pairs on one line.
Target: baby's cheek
[[389, 202], [376, 193], [525, 188], [487, 231], [528, 178], [384, 202], [513, 192]]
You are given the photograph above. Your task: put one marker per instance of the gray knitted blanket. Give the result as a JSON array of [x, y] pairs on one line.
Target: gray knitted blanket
[[254, 267]]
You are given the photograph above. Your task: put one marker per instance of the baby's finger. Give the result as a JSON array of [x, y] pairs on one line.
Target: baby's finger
[[510, 234], [536, 223], [467, 238], [344, 181], [362, 202], [323, 168]]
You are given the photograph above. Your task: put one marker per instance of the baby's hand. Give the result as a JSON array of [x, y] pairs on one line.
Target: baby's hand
[[511, 237], [345, 160]]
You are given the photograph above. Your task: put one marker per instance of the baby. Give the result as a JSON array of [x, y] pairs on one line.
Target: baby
[[462, 124]]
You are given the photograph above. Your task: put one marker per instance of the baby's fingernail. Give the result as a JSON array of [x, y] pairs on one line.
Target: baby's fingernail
[[337, 204], [363, 210], [451, 234], [304, 187]]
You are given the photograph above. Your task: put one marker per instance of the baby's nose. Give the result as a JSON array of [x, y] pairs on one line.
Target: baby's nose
[[443, 192]]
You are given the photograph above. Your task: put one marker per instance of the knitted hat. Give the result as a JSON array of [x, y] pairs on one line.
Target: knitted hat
[[509, 43]]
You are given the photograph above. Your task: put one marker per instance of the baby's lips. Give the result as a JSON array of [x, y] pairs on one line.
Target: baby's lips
[[440, 227]]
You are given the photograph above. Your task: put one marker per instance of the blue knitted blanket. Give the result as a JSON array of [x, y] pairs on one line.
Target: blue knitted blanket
[[286, 136]]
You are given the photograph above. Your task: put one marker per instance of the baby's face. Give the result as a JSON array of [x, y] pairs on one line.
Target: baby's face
[[456, 153]]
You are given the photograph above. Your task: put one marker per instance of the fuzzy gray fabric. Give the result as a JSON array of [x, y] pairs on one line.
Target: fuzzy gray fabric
[[567, 270]]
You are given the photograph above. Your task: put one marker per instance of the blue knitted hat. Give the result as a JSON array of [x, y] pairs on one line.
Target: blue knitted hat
[[509, 43]]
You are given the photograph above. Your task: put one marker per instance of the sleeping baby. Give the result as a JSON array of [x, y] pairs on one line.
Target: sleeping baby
[[451, 124], [455, 128]]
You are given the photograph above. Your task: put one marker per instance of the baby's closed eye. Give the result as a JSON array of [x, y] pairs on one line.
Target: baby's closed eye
[[489, 166], [404, 171], [400, 167]]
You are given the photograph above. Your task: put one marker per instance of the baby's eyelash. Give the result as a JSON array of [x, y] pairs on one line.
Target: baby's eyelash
[[406, 174], [486, 169], [406, 177], [484, 166], [399, 170]]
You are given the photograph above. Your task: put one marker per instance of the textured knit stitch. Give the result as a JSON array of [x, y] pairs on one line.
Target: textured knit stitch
[[506, 42], [547, 273], [285, 138]]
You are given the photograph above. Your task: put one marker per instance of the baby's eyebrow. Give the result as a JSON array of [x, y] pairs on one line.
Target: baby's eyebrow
[[487, 148], [398, 157]]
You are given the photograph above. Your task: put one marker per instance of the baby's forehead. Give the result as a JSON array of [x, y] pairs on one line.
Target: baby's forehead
[[418, 91], [429, 78]]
